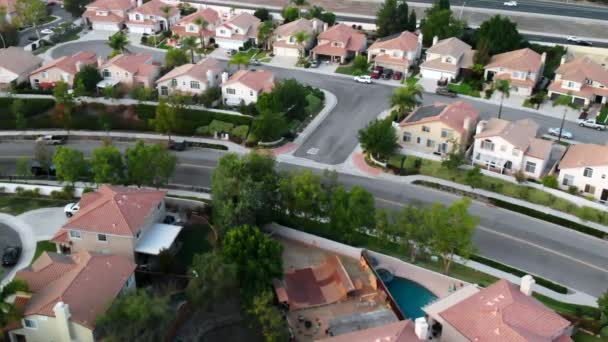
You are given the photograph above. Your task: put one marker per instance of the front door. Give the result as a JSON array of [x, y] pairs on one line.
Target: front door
[[490, 76], [598, 98], [604, 197]]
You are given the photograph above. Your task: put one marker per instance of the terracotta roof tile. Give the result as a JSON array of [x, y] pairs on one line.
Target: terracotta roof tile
[[18, 60], [580, 69], [526, 60], [197, 71], [353, 39], [300, 25], [154, 7], [405, 41], [451, 46], [68, 63], [585, 155], [117, 5], [437, 64], [211, 17], [111, 17], [259, 80], [519, 133], [131, 63], [453, 115]]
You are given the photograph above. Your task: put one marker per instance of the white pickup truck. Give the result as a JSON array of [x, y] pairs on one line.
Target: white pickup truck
[[591, 123]]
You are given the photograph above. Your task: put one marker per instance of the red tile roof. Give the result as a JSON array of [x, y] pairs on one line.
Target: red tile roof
[[501, 312], [583, 68], [139, 64], [405, 41], [400, 331], [109, 5], [584, 155], [453, 115], [154, 7], [87, 282], [68, 63], [259, 80], [210, 16], [526, 60], [197, 71], [351, 38]]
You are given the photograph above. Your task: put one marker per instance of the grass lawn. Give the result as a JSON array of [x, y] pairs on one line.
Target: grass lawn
[[346, 69], [464, 89], [249, 53], [584, 337], [44, 246], [195, 240], [11, 204]]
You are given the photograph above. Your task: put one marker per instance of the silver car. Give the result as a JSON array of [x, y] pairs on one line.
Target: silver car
[[565, 134]]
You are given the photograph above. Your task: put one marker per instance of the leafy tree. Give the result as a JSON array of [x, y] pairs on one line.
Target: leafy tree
[[265, 32], [550, 181], [258, 257], [441, 23], [263, 14], [30, 13], [504, 87], [413, 227], [287, 96], [301, 38], [175, 58], [269, 125], [43, 155], [107, 165], [185, 9], [500, 34], [567, 102], [239, 59], [8, 312], [379, 138], [315, 11], [213, 279], [407, 98], [165, 120], [602, 304], [302, 194], [351, 211], [290, 14], [392, 18], [189, 43], [141, 93], [118, 42], [149, 165], [300, 3], [482, 55], [268, 317], [202, 25], [473, 177], [148, 316], [22, 167], [75, 7], [412, 21], [70, 164], [61, 92], [360, 65], [18, 108], [329, 18], [9, 35], [89, 77], [454, 158]]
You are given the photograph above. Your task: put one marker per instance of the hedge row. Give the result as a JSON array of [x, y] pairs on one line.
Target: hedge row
[[31, 106]]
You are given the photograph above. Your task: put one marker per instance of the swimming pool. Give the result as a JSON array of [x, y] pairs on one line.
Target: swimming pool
[[410, 296]]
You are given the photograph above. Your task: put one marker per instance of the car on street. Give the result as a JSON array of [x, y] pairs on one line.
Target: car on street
[[37, 170], [363, 79], [47, 31], [314, 63], [591, 123], [398, 75], [584, 43], [52, 139], [555, 132], [11, 255], [443, 91], [579, 41], [71, 209], [510, 3], [231, 52], [178, 145]]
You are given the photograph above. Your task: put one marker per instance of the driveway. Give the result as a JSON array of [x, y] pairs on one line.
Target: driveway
[[101, 48], [45, 222]]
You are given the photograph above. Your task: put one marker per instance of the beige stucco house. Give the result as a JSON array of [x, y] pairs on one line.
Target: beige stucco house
[[150, 18], [585, 166], [61, 69], [16, 66], [245, 86], [509, 147], [446, 58], [339, 43], [67, 293], [439, 128], [191, 78], [107, 15], [285, 43], [129, 70], [187, 27], [583, 79], [238, 30], [398, 52], [523, 68]]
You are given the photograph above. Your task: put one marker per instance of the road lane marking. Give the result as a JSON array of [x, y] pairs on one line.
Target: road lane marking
[[197, 166], [313, 151]]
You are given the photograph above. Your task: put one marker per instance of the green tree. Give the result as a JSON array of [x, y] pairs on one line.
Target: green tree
[[504, 87], [550, 181], [500, 34], [300, 3], [412, 21], [392, 18], [43, 155], [269, 126], [473, 177], [407, 98], [268, 317], [441, 23], [22, 167], [175, 58], [443, 4], [482, 55], [8, 312], [189, 43], [141, 93], [379, 138], [360, 65], [302, 194], [9, 35], [351, 211], [166, 10], [149, 165], [70, 164], [213, 279], [265, 32], [89, 77], [18, 108], [165, 120], [329, 18], [263, 14], [107, 165], [30, 13], [414, 230], [567, 102], [454, 158], [148, 316], [257, 256], [239, 59], [202, 26], [287, 96], [75, 7], [602, 304], [301, 38], [290, 14], [118, 42]]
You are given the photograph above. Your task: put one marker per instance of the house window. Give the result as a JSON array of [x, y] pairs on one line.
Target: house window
[[382, 51], [230, 91], [568, 180], [418, 140], [589, 82], [443, 148], [487, 145], [126, 74], [588, 172], [222, 31], [251, 93], [292, 40], [75, 234], [45, 74], [570, 84], [195, 85], [448, 60], [138, 234], [36, 83], [590, 189], [102, 238], [174, 82], [164, 91], [446, 133], [30, 323], [191, 28], [530, 167], [430, 143], [426, 129], [137, 17], [407, 136], [106, 73]]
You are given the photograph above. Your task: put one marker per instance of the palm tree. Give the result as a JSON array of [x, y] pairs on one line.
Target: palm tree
[[166, 14], [238, 60], [566, 102], [504, 87], [189, 43], [201, 23], [301, 37], [407, 98], [264, 33], [118, 42]]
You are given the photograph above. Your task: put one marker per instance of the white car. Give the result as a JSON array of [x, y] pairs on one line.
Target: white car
[[573, 39], [510, 3], [555, 132], [47, 31], [363, 79], [71, 209]]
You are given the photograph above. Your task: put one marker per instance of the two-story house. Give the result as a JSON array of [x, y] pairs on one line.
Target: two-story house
[[585, 166], [9, 10], [16, 65], [339, 43], [439, 128], [151, 17], [129, 70], [583, 79], [61, 69], [285, 42], [523, 68], [237, 31], [446, 58], [188, 27], [191, 78], [67, 294], [398, 52], [120, 221], [509, 147], [245, 86], [107, 15]]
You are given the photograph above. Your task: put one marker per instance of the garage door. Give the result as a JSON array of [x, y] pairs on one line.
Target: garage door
[[105, 27], [579, 101], [228, 44], [281, 51], [554, 96], [435, 75]]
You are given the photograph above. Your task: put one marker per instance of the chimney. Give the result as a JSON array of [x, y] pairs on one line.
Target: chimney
[[139, 3], [78, 66], [99, 61], [420, 36], [543, 57], [466, 123], [224, 77], [210, 78], [481, 126], [563, 60], [435, 40], [421, 328], [62, 319], [527, 285], [325, 26]]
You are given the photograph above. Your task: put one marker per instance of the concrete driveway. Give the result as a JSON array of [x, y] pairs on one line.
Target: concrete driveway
[[44, 222]]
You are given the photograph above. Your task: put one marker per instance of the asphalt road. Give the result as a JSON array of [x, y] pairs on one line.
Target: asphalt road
[[8, 237], [57, 11], [573, 259]]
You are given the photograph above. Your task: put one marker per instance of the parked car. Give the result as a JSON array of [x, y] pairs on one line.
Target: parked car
[[579, 41], [363, 79], [231, 52], [397, 75], [442, 82], [591, 123], [255, 61], [443, 91], [11, 255], [387, 74], [71, 209], [376, 74], [52, 139], [38, 170], [584, 43], [47, 31], [555, 132], [178, 145], [510, 3], [314, 63]]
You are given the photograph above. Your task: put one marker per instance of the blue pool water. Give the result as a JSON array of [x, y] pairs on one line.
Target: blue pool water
[[410, 296]]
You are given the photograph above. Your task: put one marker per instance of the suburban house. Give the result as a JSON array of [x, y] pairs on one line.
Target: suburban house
[[67, 293], [187, 26], [61, 69], [245, 86], [129, 70], [509, 147], [439, 128], [523, 68], [16, 65], [191, 78], [585, 166], [150, 17], [500, 312], [583, 79], [120, 221], [284, 40], [9, 8], [446, 58], [340, 43], [398, 52], [400, 331], [107, 15], [237, 31]]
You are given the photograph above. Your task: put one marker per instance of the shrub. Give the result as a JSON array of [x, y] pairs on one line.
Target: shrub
[[604, 331], [217, 126], [520, 177], [314, 104], [588, 214], [33, 193], [550, 181], [240, 131], [203, 130], [489, 92], [87, 190], [573, 190]]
